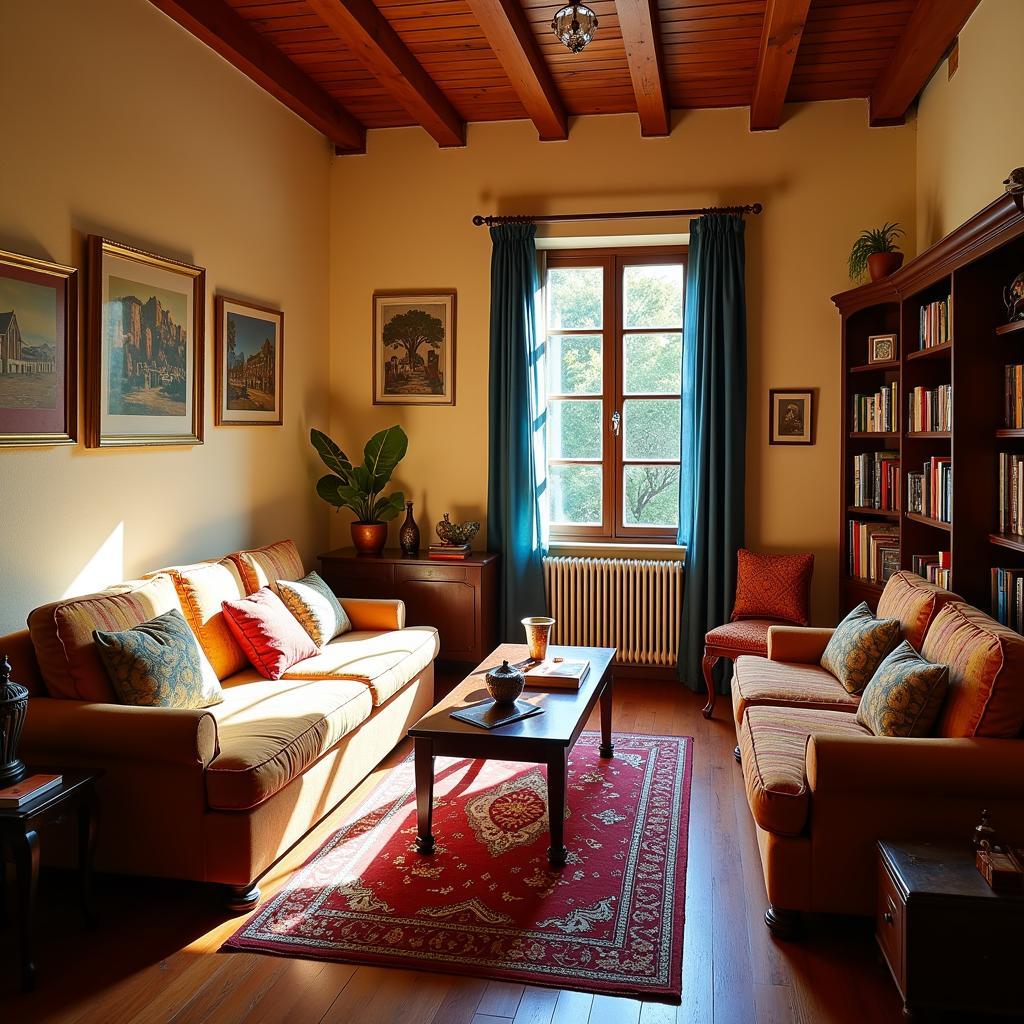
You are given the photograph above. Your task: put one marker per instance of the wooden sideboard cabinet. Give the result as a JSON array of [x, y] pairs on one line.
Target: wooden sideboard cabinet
[[459, 598]]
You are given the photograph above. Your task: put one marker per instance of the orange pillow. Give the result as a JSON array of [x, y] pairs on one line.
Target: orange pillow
[[263, 567], [915, 602], [269, 634], [773, 587]]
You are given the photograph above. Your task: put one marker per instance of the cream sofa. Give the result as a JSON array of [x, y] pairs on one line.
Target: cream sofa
[[219, 794]]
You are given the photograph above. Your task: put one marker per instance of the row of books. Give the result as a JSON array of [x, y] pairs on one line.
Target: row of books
[[1011, 493], [930, 492], [934, 568], [1013, 414], [1008, 597], [875, 413], [935, 323], [876, 480], [874, 550], [930, 408], [449, 552]]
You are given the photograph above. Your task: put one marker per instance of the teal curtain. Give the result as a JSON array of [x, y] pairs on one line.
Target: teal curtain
[[714, 425], [515, 522]]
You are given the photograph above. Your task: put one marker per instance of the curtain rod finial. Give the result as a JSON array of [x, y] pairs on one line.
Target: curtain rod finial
[[756, 208], [478, 220]]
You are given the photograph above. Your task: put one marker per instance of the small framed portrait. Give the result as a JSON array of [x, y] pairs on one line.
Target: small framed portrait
[[144, 353], [791, 416], [249, 363], [882, 348], [414, 347], [38, 352]]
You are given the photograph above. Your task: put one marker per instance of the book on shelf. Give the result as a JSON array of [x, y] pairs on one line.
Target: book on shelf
[[934, 568], [1011, 493], [876, 480], [930, 409], [557, 675], [874, 550], [874, 414], [935, 323], [1013, 413], [1008, 597], [930, 492], [30, 788]]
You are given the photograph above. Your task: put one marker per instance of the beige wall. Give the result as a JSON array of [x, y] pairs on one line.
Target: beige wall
[[400, 218], [118, 122], [969, 132]]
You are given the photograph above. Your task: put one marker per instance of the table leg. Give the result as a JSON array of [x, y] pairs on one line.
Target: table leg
[[557, 771], [424, 756], [88, 813], [26, 860], [607, 747]]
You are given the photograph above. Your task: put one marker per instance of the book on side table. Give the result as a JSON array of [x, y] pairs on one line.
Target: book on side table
[[556, 674], [28, 789]]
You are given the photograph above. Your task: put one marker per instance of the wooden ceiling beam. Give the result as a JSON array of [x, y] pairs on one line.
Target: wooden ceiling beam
[[514, 44], [783, 28], [638, 22], [927, 37], [226, 32], [370, 37]]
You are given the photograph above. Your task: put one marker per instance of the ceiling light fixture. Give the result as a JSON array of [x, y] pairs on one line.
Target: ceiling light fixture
[[574, 26]]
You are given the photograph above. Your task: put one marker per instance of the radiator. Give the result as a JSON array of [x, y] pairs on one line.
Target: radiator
[[627, 603]]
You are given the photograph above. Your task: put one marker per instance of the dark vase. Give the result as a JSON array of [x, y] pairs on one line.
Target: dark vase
[[409, 535], [13, 707]]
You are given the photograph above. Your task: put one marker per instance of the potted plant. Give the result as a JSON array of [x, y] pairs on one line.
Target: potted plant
[[876, 252], [358, 488]]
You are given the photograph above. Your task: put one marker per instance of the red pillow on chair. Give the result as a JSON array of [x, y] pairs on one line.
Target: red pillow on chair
[[269, 634], [773, 587]]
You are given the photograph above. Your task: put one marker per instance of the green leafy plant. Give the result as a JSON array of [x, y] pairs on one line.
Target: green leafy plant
[[876, 240], [358, 488]]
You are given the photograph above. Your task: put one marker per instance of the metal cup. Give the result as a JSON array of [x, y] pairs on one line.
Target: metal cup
[[538, 630]]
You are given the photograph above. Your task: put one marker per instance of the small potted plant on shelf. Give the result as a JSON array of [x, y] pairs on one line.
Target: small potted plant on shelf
[[875, 251], [358, 488]]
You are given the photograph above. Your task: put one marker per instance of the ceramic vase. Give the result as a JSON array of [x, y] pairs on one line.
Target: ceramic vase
[[369, 538], [409, 535]]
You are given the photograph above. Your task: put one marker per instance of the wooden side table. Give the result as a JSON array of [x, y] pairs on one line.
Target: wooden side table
[[951, 943], [19, 832], [458, 597]]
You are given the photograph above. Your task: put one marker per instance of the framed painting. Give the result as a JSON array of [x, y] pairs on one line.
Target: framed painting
[[882, 348], [414, 347], [791, 416], [144, 355], [38, 352], [249, 363]]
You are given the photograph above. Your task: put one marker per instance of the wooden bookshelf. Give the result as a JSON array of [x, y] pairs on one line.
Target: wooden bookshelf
[[972, 265]]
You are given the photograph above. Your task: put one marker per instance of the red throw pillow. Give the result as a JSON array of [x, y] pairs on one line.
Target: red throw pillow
[[773, 587], [269, 634]]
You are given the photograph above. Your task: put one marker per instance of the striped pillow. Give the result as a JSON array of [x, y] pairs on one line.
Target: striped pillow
[[313, 603], [271, 638], [915, 602], [263, 567]]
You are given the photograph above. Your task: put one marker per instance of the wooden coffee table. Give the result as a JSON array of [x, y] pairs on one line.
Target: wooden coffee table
[[540, 739]]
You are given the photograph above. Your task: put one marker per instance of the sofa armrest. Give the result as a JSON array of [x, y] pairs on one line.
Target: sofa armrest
[[803, 645], [119, 732], [374, 613], [894, 766]]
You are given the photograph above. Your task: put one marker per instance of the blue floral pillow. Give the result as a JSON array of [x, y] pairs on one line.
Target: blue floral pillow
[[904, 696], [857, 647]]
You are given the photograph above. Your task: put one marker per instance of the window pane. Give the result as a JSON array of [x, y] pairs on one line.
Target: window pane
[[575, 296], [574, 430], [652, 496], [575, 495], [575, 364], [651, 428], [653, 296], [654, 364]]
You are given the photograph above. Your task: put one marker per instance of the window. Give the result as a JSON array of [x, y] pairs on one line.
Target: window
[[614, 363]]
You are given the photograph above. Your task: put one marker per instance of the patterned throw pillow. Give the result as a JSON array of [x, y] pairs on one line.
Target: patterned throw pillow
[[904, 696], [857, 647], [313, 603], [158, 664], [268, 633], [773, 587]]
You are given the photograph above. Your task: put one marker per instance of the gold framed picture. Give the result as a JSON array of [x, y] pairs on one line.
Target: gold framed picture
[[414, 347], [248, 363], [791, 416], [144, 354], [38, 352], [882, 348]]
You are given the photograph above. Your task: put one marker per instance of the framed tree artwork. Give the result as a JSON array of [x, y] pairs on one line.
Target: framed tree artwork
[[414, 347], [144, 354], [249, 363], [791, 416], [38, 352]]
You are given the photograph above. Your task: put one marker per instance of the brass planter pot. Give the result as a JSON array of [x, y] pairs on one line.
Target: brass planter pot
[[369, 538]]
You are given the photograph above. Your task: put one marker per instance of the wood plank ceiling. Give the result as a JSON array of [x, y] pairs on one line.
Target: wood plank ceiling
[[352, 65]]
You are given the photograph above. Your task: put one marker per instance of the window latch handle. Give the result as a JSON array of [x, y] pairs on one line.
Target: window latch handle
[[616, 421]]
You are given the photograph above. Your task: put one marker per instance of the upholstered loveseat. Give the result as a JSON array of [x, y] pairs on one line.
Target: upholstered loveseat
[[219, 794], [822, 788]]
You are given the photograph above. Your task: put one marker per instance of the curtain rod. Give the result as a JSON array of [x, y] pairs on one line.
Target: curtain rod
[[525, 218]]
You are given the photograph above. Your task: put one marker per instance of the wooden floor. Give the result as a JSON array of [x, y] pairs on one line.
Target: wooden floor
[[154, 956]]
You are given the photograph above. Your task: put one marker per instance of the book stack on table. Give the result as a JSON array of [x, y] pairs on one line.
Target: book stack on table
[[453, 552]]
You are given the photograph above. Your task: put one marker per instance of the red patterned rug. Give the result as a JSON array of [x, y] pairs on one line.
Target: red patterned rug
[[486, 903]]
